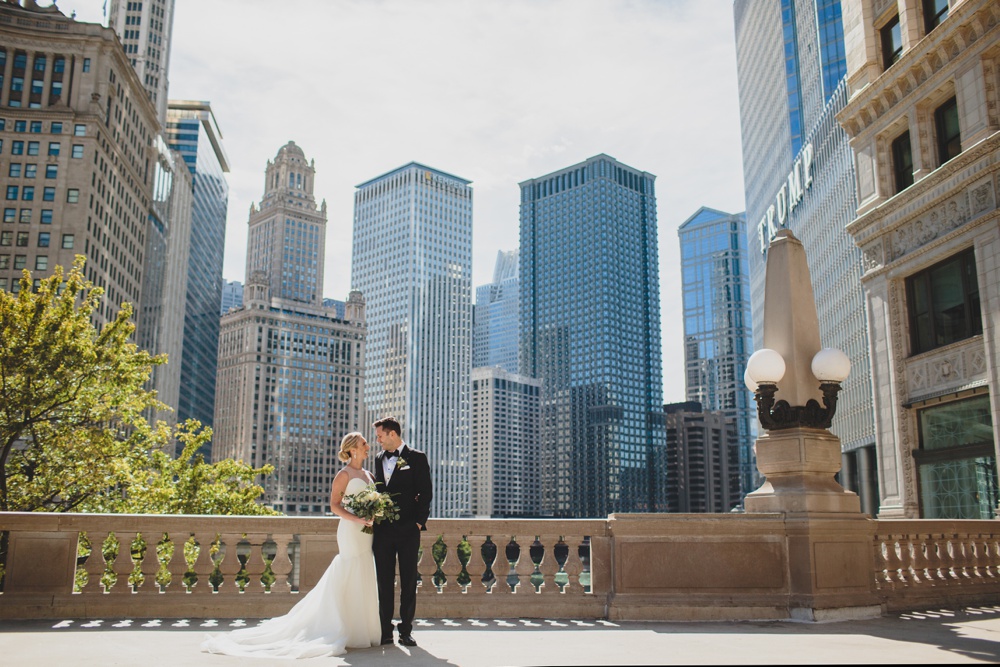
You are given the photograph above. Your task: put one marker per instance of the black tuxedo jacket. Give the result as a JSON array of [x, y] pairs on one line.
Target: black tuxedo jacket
[[410, 487]]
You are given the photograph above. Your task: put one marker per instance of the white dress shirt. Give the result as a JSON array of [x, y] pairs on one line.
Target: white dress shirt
[[389, 463]]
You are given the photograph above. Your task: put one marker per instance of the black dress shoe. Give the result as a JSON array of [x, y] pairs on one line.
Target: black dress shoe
[[387, 640], [407, 640]]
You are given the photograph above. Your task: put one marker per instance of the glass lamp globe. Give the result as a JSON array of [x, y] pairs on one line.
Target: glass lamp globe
[[751, 385], [766, 367], [831, 365]]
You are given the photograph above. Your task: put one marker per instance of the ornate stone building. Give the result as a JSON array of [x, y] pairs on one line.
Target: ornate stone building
[[924, 124], [290, 376]]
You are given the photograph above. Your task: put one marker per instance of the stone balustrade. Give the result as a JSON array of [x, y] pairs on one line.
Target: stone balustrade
[[921, 562], [625, 567]]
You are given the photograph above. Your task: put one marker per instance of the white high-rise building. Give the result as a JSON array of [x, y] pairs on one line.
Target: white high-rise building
[[232, 296], [412, 259], [144, 27], [495, 325]]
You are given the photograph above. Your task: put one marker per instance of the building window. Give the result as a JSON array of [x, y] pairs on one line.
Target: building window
[[33, 147], [17, 148], [48, 194], [943, 301], [73, 195], [957, 473], [36, 126], [949, 137], [20, 126], [46, 216], [22, 239], [28, 193], [43, 239], [56, 128], [86, 64], [67, 241], [79, 130], [42, 263], [902, 161], [6, 238], [51, 171], [935, 11], [53, 148], [77, 150], [9, 214], [892, 42], [15, 170], [25, 216], [30, 170], [12, 192], [4, 261], [20, 261]]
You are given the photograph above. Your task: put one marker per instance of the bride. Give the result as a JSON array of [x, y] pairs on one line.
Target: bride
[[342, 610]]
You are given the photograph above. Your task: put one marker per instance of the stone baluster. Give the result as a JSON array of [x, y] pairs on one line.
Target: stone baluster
[[490, 557], [177, 565], [894, 564], [549, 566], [94, 564], [282, 565], [230, 565], [991, 556], [940, 559], [255, 565], [962, 559], [574, 566], [123, 565], [920, 548], [476, 567], [150, 565], [525, 567], [204, 564], [976, 562], [452, 566], [908, 544]]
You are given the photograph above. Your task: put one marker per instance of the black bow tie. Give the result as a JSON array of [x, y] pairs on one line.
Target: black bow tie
[[390, 455]]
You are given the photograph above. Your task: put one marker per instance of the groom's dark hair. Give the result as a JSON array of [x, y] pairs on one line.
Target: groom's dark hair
[[388, 424]]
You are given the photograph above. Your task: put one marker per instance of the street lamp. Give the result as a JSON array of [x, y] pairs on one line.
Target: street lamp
[[765, 368]]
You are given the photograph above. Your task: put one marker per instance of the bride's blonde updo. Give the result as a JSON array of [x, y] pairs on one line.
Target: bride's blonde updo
[[348, 444]]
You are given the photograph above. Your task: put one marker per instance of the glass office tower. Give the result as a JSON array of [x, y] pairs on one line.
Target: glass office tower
[[194, 133], [809, 187], [495, 325], [412, 260], [590, 331], [717, 333]]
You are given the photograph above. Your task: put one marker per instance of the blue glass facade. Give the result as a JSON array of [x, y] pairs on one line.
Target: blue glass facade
[[496, 317], [717, 325], [590, 331], [191, 131]]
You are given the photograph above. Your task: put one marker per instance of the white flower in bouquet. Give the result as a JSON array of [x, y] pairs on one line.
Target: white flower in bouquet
[[369, 503]]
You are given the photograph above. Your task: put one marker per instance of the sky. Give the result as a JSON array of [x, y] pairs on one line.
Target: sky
[[493, 91]]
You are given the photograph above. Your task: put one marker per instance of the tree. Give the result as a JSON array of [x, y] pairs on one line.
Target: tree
[[72, 432]]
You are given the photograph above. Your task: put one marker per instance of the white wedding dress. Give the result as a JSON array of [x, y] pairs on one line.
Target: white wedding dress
[[341, 612]]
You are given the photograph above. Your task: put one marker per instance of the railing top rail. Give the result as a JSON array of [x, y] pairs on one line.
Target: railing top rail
[[936, 526]]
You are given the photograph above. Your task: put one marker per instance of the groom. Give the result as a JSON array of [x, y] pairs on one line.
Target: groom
[[404, 473]]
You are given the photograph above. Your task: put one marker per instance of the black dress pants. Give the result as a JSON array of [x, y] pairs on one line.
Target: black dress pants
[[392, 543]]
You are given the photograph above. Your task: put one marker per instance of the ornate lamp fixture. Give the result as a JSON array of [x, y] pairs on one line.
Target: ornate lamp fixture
[[765, 368]]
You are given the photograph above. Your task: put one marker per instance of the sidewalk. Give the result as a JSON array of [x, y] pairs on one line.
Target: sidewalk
[[943, 636]]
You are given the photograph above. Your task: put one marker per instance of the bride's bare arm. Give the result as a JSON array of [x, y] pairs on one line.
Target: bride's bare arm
[[340, 482]]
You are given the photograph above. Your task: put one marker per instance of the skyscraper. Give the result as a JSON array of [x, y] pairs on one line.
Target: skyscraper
[[505, 427], [717, 333], [590, 322], [924, 125], [412, 259], [495, 325], [144, 27], [57, 144], [232, 296], [800, 175], [290, 372], [702, 459], [192, 131]]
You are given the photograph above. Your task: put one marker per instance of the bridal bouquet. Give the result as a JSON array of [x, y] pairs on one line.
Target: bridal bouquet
[[370, 503]]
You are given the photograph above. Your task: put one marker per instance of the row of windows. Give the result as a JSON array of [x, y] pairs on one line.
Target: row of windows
[[27, 193], [35, 127], [949, 144], [21, 262], [34, 148], [25, 215], [891, 35], [7, 238]]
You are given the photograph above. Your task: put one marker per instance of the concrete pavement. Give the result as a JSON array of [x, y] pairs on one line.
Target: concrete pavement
[[937, 636]]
